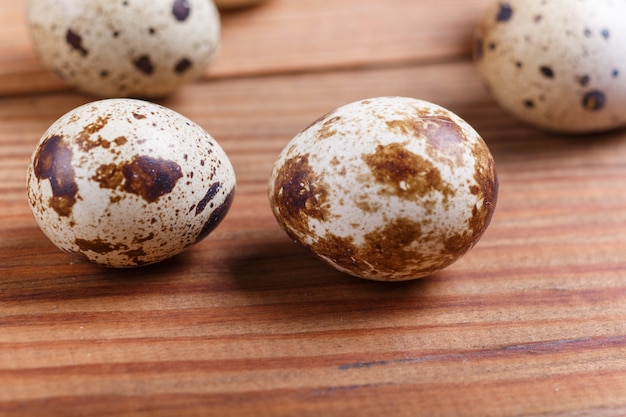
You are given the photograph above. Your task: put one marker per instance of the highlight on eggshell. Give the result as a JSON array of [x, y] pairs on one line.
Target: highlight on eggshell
[[559, 65], [125, 183], [139, 48], [387, 188]]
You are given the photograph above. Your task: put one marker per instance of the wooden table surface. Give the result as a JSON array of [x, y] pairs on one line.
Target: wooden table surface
[[531, 322]]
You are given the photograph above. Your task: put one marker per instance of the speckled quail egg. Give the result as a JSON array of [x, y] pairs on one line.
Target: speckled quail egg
[[388, 188], [125, 48], [559, 65], [236, 4], [125, 182]]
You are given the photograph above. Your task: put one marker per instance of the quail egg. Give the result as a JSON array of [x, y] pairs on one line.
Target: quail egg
[[387, 188], [125, 48], [125, 182], [559, 65]]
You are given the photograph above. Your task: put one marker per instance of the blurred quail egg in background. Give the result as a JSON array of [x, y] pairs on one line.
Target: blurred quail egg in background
[[559, 65], [125, 182], [388, 188], [125, 48]]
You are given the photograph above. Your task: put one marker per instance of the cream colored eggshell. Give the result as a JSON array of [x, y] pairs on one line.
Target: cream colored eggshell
[[559, 64], [140, 48], [126, 182], [389, 188]]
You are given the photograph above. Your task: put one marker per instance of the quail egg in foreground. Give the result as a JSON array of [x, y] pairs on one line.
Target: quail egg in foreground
[[559, 65], [125, 182], [131, 48], [388, 188]]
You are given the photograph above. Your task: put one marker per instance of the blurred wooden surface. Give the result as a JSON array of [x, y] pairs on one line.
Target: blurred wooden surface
[[532, 322]]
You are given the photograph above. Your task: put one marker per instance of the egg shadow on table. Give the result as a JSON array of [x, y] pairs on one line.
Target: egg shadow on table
[[69, 279], [294, 285]]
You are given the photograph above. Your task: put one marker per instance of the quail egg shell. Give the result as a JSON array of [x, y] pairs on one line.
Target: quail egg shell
[[125, 182], [388, 188], [559, 65], [125, 48]]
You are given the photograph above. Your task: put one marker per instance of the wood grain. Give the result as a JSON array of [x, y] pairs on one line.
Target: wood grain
[[532, 322]]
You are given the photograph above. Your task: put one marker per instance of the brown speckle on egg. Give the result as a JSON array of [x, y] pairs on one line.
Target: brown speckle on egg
[[210, 194], [53, 162], [404, 173], [301, 193], [546, 71], [505, 12], [217, 214], [144, 176], [182, 65], [389, 188], [594, 100], [181, 10], [75, 42], [144, 64]]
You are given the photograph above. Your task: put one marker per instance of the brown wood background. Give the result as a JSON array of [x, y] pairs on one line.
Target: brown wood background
[[532, 322]]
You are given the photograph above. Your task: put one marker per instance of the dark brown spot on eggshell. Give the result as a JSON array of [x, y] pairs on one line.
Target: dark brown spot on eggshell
[[76, 42], [594, 100], [389, 247], [216, 216], [109, 176], [144, 64], [98, 245], [181, 10], [210, 194], [327, 130], [385, 251], [147, 177], [182, 66], [120, 140], [300, 194], [505, 12], [134, 256], [546, 71], [53, 162], [150, 177], [405, 173], [84, 138], [103, 247]]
